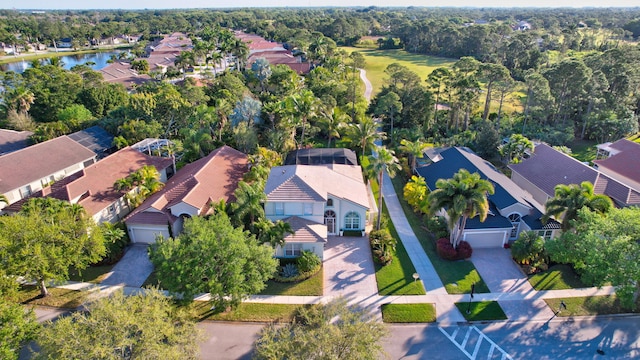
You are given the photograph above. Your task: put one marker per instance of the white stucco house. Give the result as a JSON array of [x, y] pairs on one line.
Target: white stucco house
[[318, 201]]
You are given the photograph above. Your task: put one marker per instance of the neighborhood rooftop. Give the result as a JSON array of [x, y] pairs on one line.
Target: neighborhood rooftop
[[11, 140]]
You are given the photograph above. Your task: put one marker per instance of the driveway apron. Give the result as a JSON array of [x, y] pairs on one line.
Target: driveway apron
[[502, 275], [133, 269], [348, 267]]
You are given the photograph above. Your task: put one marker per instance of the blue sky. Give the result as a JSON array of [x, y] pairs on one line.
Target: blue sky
[[169, 4]]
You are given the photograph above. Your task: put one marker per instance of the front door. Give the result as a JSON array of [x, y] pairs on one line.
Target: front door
[[330, 220]]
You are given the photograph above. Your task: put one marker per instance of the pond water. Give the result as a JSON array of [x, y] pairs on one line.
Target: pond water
[[99, 59]]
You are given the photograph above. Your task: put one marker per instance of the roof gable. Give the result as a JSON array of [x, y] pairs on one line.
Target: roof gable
[[314, 183]]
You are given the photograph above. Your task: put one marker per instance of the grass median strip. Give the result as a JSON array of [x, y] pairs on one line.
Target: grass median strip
[[480, 311], [592, 305], [408, 313], [201, 310]]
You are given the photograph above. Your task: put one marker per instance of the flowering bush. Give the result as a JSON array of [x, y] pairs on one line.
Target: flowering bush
[[448, 252]]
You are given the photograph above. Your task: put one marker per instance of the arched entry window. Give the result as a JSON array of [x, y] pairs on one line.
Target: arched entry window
[[352, 221], [515, 223], [330, 221]]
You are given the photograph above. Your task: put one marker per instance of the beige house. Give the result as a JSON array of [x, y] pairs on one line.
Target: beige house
[[29, 170], [317, 200], [190, 192]]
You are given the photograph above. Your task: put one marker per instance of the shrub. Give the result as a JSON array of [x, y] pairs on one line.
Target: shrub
[[382, 245], [529, 249], [308, 261], [438, 226], [352, 233], [445, 250], [116, 239], [289, 270], [464, 250]]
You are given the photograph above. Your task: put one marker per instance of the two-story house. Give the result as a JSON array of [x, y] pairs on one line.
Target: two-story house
[[317, 200]]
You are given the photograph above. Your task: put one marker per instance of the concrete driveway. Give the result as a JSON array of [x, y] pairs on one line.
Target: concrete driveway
[[133, 269], [502, 275], [348, 267]]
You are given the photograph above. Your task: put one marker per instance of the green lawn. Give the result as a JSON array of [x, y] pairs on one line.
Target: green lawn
[[93, 274], [457, 276], [583, 150], [63, 298], [311, 286], [201, 310], [593, 305], [378, 60], [408, 313], [558, 277], [479, 311]]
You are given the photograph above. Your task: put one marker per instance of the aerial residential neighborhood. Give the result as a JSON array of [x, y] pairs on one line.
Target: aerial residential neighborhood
[[319, 183]]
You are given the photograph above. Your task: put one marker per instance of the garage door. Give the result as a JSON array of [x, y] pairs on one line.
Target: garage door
[[147, 236], [485, 239]]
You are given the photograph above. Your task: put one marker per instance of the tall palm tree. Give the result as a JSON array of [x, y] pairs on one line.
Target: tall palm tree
[[240, 50], [332, 121], [464, 196], [364, 134], [273, 233], [223, 109], [382, 161], [303, 105], [568, 199], [415, 150], [248, 204]]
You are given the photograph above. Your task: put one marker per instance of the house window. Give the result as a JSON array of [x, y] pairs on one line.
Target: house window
[[329, 202], [308, 208], [279, 208], [25, 191], [292, 249], [515, 223], [546, 234], [352, 221]]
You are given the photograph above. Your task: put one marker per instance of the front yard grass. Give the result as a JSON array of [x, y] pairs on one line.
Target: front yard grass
[[201, 310], [92, 274], [592, 305], [58, 297], [558, 277], [457, 276], [408, 313], [310, 287], [480, 311]]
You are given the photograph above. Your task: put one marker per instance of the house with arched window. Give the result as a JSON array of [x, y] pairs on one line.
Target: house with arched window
[[512, 210], [318, 201]]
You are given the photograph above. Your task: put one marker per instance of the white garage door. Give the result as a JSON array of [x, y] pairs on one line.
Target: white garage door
[[485, 239], [147, 236]]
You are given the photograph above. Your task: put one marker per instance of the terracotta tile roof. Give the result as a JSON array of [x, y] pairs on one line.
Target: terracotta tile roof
[[13, 140], [39, 161], [211, 178], [316, 183], [305, 230], [626, 163]]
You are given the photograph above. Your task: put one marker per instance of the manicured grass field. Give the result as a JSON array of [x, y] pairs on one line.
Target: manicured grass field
[[558, 277], [457, 276], [479, 311], [63, 298], [408, 313], [584, 150], [593, 305], [92, 274], [378, 60], [201, 310], [311, 286]]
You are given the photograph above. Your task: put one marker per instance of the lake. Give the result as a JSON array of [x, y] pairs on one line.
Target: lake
[[100, 59]]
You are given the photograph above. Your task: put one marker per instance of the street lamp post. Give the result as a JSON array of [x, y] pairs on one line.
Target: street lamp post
[[473, 288]]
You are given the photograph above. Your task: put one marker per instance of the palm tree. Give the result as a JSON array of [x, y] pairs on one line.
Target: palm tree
[[464, 196], [568, 199], [303, 105], [364, 134], [273, 233], [383, 161], [248, 204], [223, 109], [240, 50], [332, 121], [415, 150]]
